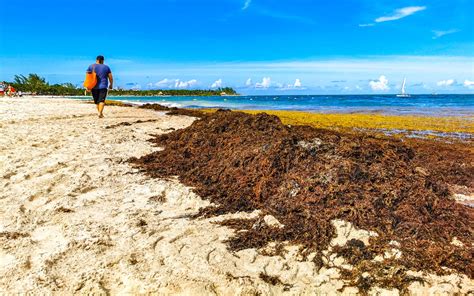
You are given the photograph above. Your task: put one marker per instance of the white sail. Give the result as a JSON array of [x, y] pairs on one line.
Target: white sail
[[403, 92]]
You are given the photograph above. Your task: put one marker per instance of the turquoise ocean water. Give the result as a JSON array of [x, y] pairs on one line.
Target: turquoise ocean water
[[432, 105]]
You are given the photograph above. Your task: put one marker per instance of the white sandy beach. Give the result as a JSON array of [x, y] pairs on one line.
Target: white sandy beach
[[75, 217]]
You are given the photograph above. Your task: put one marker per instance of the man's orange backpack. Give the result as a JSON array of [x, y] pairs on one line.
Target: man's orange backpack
[[91, 79]]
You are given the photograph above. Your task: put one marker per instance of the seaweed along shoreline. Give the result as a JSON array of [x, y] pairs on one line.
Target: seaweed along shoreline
[[306, 177]]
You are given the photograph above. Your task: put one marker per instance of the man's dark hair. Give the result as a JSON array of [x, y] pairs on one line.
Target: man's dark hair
[[100, 58]]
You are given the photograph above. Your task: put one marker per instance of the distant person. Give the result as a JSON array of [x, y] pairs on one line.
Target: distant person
[[10, 91], [104, 75]]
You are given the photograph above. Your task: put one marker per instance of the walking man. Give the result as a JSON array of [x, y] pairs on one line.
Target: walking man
[[104, 76]]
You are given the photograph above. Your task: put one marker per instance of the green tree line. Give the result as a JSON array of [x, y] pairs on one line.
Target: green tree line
[[36, 84], [33, 83]]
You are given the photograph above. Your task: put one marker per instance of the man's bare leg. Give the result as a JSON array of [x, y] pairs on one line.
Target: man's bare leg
[[100, 108]]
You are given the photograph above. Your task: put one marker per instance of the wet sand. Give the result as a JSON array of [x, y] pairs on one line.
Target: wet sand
[[75, 217]]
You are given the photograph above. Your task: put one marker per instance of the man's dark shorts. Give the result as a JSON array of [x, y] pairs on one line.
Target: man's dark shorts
[[99, 95]]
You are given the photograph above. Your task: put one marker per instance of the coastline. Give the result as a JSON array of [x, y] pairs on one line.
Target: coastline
[[77, 218]]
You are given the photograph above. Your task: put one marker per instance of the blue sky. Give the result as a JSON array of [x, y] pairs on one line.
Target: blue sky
[[256, 46]]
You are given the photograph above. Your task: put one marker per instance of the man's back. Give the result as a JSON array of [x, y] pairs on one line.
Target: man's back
[[102, 71]]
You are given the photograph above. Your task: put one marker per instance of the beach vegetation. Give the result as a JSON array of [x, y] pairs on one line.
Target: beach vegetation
[[35, 84]]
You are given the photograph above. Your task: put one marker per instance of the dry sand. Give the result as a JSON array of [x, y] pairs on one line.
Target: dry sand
[[75, 217]]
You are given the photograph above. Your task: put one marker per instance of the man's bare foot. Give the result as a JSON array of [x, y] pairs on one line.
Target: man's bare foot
[[101, 115]]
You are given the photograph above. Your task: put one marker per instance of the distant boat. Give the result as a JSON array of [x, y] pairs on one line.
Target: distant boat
[[403, 93]]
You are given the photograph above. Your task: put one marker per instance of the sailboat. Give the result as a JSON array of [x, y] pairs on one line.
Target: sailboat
[[403, 93]]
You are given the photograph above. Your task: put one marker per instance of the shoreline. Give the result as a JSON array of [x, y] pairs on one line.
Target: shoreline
[[76, 217], [411, 126], [348, 111], [225, 102]]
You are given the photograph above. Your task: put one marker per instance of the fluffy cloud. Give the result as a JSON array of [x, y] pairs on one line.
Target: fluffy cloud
[[246, 4], [446, 83], [295, 86], [175, 83], [400, 13], [380, 84], [248, 83], [297, 83], [185, 84], [266, 82], [439, 34], [469, 84], [165, 83], [217, 84]]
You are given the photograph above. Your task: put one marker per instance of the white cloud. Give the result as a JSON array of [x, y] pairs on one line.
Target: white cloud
[[184, 84], [217, 84], [446, 83], [366, 25], [400, 13], [439, 34], [297, 83], [165, 83], [380, 84], [469, 84], [246, 4], [266, 82], [248, 82], [295, 86], [174, 83]]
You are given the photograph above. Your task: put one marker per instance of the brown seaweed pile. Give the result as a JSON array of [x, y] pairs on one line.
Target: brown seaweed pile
[[306, 177], [126, 123]]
